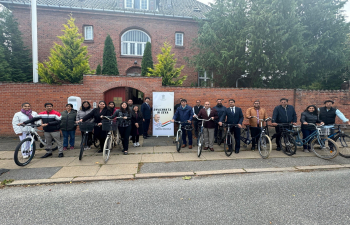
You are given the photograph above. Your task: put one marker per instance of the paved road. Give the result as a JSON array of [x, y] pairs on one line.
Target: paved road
[[320, 197]]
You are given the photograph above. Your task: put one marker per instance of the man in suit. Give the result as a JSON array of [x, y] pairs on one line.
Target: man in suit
[[233, 115], [209, 126], [196, 110], [146, 111]]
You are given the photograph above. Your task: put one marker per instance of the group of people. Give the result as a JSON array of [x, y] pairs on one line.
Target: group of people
[[282, 114], [132, 122]]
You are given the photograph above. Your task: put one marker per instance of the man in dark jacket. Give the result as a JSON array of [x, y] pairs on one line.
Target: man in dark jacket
[[328, 113], [68, 126], [283, 113], [196, 110], [51, 121], [220, 110], [146, 111], [184, 114], [209, 126], [233, 115]]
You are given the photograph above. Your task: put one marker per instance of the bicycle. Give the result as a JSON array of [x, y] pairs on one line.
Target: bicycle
[[219, 136], [321, 144], [28, 147], [287, 141], [112, 139], [228, 139], [178, 140], [200, 141], [342, 139], [85, 128]]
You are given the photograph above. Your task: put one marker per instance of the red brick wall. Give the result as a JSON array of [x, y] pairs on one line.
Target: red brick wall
[[160, 29], [12, 95]]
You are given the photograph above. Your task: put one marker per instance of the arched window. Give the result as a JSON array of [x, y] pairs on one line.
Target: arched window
[[134, 42]]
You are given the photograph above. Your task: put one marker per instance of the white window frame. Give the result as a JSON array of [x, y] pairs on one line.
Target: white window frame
[[208, 80], [136, 44], [85, 33], [182, 39], [133, 4]]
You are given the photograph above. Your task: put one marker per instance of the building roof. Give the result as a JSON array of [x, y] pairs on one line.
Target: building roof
[[174, 8]]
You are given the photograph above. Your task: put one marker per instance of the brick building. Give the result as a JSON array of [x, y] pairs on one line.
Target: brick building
[[130, 23]]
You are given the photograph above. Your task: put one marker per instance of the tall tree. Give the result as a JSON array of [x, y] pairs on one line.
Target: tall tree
[[147, 61], [166, 68], [18, 56], [4, 66], [69, 61], [109, 66]]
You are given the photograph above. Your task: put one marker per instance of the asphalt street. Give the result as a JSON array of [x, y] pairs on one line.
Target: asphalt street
[[319, 197]]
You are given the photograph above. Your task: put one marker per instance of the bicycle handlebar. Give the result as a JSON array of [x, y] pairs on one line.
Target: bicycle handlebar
[[32, 125], [205, 119], [119, 117], [265, 120]]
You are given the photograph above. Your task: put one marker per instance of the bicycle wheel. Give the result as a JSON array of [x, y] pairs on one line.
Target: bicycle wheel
[[179, 141], [324, 147], [245, 137], [265, 146], [200, 144], [343, 142], [288, 145], [83, 145], [107, 148], [229, 141], [96, 142], [19, 157], [219, 136]]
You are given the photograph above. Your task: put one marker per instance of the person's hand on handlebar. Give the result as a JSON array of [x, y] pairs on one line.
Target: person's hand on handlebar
[[189, 121], [172, 121], [305, 123], [212, 118], [20, 124], [294, 124], [274, 124], [239, 125], [99, 124], [220, 124]]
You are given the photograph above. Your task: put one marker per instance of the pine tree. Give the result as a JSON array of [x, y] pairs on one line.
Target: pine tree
[[98, 70], [4, 66], [109, 66], [166, 68], [68, 62], [147, 61], [16, 54]]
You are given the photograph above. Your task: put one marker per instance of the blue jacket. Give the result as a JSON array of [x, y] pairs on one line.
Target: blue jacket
[[236, 118], [183, 114], [146, 111], [284, 115], [220, 110]]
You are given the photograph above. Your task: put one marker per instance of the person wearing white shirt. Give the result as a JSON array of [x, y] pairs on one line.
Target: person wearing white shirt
[[328, 113]]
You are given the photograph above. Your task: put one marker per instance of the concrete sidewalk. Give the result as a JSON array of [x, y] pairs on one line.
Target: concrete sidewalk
[[154, 161]]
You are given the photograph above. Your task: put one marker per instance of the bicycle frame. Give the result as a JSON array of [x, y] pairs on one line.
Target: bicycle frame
[[300, 142]]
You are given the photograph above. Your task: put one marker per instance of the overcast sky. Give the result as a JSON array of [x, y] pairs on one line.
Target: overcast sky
[[346, 7]]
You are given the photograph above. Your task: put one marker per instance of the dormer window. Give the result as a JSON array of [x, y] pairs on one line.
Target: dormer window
[[137, 4]]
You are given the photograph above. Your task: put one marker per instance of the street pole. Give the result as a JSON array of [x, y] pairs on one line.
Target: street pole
[[35, 42]]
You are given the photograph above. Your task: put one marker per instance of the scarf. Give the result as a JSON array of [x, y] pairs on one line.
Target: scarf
[[27, 113]]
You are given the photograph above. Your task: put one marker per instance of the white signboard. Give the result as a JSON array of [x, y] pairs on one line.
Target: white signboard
[[163, 112]]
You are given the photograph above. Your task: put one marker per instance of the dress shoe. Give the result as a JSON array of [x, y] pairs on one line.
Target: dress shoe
[[148, 135], [278, 149], [183, 146], [237, 151], [125, 152], [60, 155], [46, 155], [206, 148], [212, 149], [100, 151], [190, 146], [253, 148], [144, 137]]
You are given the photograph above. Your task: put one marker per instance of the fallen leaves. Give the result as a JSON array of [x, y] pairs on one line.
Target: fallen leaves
[[187, 178]]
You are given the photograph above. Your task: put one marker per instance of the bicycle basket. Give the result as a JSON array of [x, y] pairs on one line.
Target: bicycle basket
[[188, 127], [325, 131], [109, 125], [86, 127]]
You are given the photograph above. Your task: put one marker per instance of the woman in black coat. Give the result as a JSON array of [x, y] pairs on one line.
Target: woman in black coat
[[310, 115], [136, 123], [96, 114], [124, 124]]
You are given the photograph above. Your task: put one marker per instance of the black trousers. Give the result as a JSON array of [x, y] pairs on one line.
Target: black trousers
[[255, 133], [195, 124], [135, 138], [146, 126], [236, 132], [89, 142], [278, 129], [125, 133]]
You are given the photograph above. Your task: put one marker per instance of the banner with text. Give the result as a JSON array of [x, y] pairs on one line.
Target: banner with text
[[163, 112]]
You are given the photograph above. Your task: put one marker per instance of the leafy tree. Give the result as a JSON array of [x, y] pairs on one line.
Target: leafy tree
[[166, 68], [18, 57], [68, 62], [147, 61], [109, 66], [4, 66], [98, 70]]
